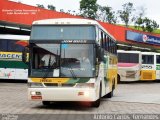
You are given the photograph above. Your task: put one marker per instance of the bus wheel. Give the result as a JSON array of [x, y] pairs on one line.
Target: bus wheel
[[97, 102], [46, 103], [110, 94], [118, 79]]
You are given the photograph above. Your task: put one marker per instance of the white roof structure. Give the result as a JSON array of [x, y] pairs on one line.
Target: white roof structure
[[14, 37]]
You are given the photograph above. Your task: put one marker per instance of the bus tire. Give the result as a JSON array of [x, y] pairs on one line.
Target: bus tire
[[110, 94], [46, 103], [118, 78], [97, 102]]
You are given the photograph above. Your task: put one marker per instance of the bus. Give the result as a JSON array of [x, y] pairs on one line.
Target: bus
[[129, 65], [138, 66], [11, 64], [67, 42]]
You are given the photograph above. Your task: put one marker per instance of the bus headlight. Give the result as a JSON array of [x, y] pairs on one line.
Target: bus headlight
[[32, 85], [85, 85], [33, 93]]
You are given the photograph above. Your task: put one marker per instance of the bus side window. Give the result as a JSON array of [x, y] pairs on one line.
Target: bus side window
[[12, 46], [3, 45], [109, 45], [158, 59], [105, 42], [102, 39], [115, 48]]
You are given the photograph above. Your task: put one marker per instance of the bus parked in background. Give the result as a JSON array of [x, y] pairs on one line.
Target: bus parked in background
[[136, 65], [11, 65], [71, 60], [129, 65]]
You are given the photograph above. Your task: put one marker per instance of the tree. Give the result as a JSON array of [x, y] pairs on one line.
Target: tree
[[40, 6], [126, 14], [88, 8], [51, 7], [140, 16], [61, 10], [107, 14], [149, 25]]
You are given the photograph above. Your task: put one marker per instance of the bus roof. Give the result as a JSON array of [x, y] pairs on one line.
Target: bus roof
[[148, 53], [14, 37], [66, 21], [70, 21], [129, 51]]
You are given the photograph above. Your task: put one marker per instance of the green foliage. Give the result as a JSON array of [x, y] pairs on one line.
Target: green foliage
[[107, 15], [146, 24], [126, 14], [88, 8], [40, 6], [157, 31], [51, 7]]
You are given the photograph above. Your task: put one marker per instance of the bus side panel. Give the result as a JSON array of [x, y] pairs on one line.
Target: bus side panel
[[7, 73], [112, 72], [21, 74], [158, 71]]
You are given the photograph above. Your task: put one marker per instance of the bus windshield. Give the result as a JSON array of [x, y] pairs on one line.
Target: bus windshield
[[147, 59], [63, 60], [128, 58]]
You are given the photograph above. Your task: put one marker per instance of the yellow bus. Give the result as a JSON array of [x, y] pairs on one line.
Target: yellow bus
[[71, 60]]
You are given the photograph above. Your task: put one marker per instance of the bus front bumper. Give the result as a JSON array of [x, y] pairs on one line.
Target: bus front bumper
[[63, 94]]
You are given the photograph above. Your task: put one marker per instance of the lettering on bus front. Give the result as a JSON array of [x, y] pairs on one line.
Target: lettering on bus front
[[74, 41], [45, 80], [147, 67]]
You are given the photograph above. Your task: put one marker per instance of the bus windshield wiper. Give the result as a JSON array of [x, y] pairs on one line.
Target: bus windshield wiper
[[71, 70], [50, 66]]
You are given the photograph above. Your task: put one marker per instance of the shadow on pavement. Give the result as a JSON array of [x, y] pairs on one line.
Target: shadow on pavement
[[78, 106], [140, 82], [12, 81]]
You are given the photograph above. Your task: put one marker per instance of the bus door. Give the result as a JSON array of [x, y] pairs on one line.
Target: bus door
[[148, 67], [158, 66]]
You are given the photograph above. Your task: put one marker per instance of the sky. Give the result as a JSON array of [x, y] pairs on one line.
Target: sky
[[152, 6]]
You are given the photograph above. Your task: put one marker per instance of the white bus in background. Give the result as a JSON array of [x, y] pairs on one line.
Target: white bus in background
[[148, 70], [11, 65], [129, 65]]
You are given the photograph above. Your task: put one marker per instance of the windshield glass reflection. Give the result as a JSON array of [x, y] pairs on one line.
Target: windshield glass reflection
[[77, 60], [45, 61], [65, 60]]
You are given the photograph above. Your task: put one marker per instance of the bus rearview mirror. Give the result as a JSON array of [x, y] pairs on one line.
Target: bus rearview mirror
[[25, 55]]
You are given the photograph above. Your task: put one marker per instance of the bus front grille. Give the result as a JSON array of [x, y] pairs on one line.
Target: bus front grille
[[58, 85], [130, 74]]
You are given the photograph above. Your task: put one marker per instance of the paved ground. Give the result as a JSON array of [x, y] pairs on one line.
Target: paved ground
[[141, 98], [141, 92]]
